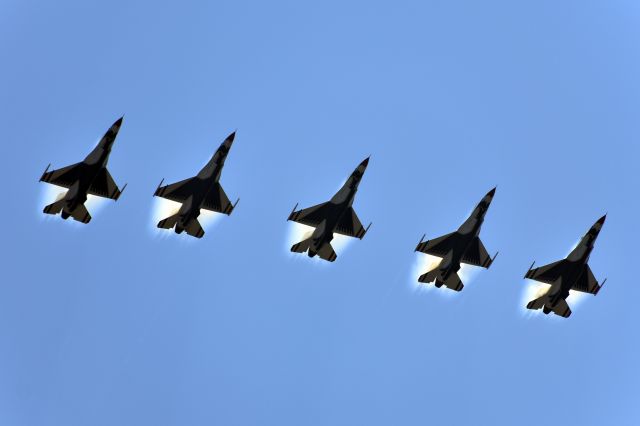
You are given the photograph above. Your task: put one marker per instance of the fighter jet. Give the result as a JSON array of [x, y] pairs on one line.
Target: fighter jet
[[89, 176], [571, 273], [336, 215], [200, 192], [461, 246]]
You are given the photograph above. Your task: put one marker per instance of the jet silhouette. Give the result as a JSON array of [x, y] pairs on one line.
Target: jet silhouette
[[88, 177], [202, 191], [571, 273], [461, 246], [336, 215]]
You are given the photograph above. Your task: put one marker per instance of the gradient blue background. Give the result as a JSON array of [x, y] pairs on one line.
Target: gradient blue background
[[110, 324]]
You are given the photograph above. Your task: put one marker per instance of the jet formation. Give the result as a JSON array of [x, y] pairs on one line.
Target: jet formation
[[336, 216]]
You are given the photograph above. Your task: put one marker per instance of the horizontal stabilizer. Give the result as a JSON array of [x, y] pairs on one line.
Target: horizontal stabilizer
[[561, 308], [326, 252], [302, 246], [429, 277], [194, 228], [537, 303], [453, 281], [54, 208], [169, 222], [81, 214]]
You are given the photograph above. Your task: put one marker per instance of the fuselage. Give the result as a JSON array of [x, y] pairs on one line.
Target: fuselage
[[90, 167], [338, 205], [466, 233], [574, 265], [202, 184]]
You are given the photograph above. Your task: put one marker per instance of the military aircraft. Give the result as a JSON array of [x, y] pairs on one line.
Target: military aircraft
[[571, 273], [200, 192], [461, 246], [88, 177], [336, 215]]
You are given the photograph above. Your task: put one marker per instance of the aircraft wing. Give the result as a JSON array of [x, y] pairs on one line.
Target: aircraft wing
[[104, 186], [178, 191], [217, 201], [547, 274], [587, 283], [477, 254], [64, 177], [311, 216], [439, 246], [350, 225]]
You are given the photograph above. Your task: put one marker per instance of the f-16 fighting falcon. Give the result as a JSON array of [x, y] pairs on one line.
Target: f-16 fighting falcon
[[461, 246], [336, 215], [88, 177], [200, 192], [571, 273]]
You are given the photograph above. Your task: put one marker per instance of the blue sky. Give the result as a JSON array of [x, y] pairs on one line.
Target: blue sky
[[115, 324]]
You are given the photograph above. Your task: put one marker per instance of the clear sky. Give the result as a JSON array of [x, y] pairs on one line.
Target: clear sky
[[116, 323]]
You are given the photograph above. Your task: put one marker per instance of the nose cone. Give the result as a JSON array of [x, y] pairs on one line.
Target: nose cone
[[601, 220], [598, 225], [361, 167], [116, 126], [488, 198], [229, 140], [595, 229]]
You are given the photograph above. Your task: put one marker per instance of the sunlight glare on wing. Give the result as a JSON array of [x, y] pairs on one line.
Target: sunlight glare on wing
[[422, 264], [532, 290], [164, 208], [299, 232], [52, 193]]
